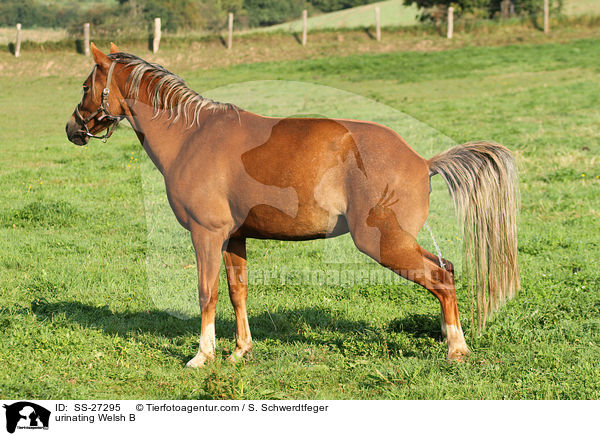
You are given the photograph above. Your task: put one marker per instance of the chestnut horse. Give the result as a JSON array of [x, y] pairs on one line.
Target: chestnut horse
[[232, 175]]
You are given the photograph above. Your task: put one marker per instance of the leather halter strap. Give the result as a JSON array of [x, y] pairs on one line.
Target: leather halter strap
[[103, 109]]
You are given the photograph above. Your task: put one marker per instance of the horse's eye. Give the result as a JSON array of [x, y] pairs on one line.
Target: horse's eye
[[85, 88]]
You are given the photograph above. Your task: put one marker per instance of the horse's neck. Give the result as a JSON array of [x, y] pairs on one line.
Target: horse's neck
[[160, 136]]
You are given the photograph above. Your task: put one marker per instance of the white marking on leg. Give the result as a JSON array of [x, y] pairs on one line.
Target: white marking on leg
[[454, 333], [207, 340], [457, 347]]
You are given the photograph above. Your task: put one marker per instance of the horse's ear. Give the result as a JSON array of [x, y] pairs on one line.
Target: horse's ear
[[101, 59], [114, 48]]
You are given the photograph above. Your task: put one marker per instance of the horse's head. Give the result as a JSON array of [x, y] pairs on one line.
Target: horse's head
[[101, 105]]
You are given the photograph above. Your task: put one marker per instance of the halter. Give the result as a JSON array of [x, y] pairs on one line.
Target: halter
[[103, 109]]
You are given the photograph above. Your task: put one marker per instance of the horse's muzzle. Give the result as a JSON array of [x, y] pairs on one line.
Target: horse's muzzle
[[75, 134]]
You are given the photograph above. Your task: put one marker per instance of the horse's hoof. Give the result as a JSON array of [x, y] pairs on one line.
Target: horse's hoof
[[458, 354], [198, 361], [234, 358], [238, 355]]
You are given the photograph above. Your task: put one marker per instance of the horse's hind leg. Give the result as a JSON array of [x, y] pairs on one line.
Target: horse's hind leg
[[234, 257], [397, 250], [448, 266]]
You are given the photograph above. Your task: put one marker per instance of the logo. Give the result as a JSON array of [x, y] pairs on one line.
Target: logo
[[26, 415]]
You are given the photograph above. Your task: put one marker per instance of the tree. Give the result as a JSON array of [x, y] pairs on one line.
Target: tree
[[530, 7], [483, 8], [268, 12]]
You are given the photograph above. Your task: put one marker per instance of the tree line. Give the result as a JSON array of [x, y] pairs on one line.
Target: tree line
[[176, 14], [116, 17], [434, 10]]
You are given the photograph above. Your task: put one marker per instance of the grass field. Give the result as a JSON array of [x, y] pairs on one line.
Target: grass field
[[9, 34], [88, 291], [581, 7], [393, 13]]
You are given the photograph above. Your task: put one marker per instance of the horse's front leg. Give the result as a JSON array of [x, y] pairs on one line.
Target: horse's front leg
[[234, 257], [208, 246]]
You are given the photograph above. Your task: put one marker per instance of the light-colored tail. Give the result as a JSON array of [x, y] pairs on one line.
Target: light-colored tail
[[482, 179]]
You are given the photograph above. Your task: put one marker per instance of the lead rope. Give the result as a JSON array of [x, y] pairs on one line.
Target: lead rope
[[437, 247]]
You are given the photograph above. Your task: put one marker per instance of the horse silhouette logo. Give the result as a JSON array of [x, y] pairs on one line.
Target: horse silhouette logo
[[26, 415]]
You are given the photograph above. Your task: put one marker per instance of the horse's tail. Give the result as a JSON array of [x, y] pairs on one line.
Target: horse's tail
[[482, 179]]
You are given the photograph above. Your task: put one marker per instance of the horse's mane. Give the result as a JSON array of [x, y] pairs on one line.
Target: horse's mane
[[167, 91]]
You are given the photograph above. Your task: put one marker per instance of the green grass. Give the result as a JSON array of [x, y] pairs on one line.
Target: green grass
[[393, 13], [396, 13], [581, 7], [9, 35], [86, 292]]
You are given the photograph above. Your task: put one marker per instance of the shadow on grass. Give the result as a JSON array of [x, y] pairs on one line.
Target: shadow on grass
[[79, 46], [297, 37], [305, 325], [418, 325], [369, 33]]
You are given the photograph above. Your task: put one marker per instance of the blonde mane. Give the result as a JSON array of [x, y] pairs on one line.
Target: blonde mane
[[167, 91]]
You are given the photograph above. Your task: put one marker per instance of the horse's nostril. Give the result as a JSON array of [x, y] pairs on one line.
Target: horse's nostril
[[78, 139], [75, 134]]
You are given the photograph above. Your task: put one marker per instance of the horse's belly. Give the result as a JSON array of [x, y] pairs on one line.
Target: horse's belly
[[267, 222]]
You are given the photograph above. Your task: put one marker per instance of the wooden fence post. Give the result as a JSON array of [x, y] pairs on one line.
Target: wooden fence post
[[304, 25], [18, 44], [230, 35], [546, 16], [377, 24], [450, 22], [157, 34], [86, 39]]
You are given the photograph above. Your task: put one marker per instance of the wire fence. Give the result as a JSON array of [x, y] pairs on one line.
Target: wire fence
[[83, 44]]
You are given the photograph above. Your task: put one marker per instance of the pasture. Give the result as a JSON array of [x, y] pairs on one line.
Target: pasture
[[581, 7], [98, 284], [393, 13]]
